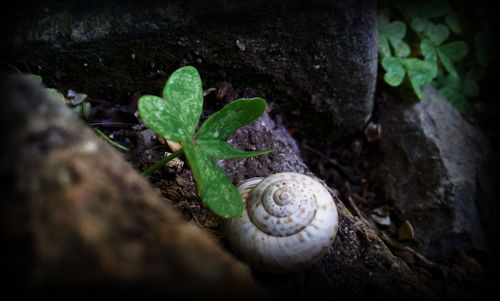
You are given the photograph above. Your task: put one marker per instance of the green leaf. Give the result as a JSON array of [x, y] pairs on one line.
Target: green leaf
[[419, 24], [184, 93], [437, 33], [222, 150], [382, 22], [36, 77], [222, 124], [455, 50], [395, 30], [382, 40], [163, 118], [175, 117], [401, 48], [214, 187], [447, 63], [394, 33], [59, 97], [420, 73], [383, 46], [429, 52], [452, 21], [395, 71]]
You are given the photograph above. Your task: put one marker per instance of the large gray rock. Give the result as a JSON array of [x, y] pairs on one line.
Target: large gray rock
[[317, 60], [438, 171]]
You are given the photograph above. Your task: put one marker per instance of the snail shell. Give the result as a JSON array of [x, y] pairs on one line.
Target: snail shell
[[290, 220]]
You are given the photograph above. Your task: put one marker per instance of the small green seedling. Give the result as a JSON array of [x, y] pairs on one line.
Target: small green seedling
[[175, 117]]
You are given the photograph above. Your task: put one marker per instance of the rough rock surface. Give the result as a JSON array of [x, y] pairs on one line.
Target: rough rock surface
[[77, 221], [439, 172], [313, 58]]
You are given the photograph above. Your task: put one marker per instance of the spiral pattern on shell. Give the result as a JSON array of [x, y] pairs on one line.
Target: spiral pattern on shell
[[289, 222]]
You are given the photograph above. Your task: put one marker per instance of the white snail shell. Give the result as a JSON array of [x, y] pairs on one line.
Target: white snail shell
[[289, 222]]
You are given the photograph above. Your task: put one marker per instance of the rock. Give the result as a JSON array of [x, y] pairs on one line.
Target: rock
[[357, 265], [317, 60], [437, 169], [77, 220]]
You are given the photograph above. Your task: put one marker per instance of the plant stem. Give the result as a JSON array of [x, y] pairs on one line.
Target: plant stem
[[116, 144], [162, 162], [84, 112], [87, 119]]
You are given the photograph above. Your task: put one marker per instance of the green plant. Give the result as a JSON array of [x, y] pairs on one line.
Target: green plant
[[80, 107], [422, 43], [175, 117]]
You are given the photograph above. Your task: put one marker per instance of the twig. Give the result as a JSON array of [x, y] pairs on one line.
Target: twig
[[334, 162], [399, 246], [360, 198], [359, 213]]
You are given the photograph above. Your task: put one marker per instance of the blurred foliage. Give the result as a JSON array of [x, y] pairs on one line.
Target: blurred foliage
[[424, 42]]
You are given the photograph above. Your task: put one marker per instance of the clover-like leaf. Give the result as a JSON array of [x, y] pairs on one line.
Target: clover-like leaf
[[420, 73], [220, 125], [214, 187], [429, 51], [394, 33], [184, 91], [401, 48], [395, 71], [382, 40], [383, 45], [395, 30], [447, 63], [437, 33], [175, 117], [455, 50], [162, 118], [233, 116]]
